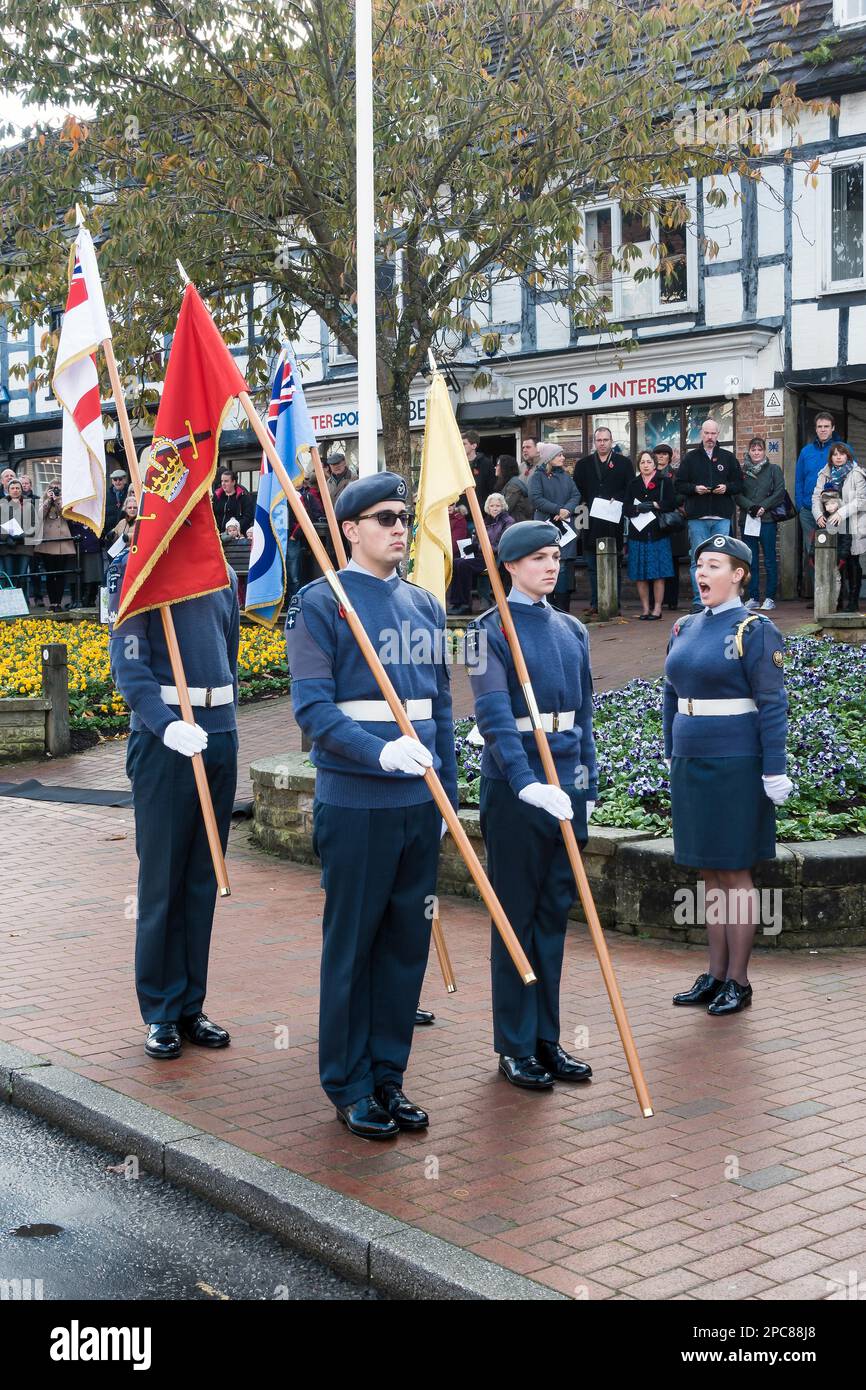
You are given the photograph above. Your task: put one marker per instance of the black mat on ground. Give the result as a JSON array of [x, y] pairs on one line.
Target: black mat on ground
[[32, 790]]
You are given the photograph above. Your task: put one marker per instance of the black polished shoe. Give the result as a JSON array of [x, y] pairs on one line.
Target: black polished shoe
[[400, 1108], [527, 1072], [424, 1017], [731, 998], [705, 988], [197, 1028], [560, 1064], [367, 1119], [163, 1041]]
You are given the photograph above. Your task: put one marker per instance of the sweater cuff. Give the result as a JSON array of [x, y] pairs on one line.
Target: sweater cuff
[[521, 780]]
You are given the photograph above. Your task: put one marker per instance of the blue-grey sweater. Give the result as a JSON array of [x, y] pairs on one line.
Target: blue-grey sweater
[[702, 664], [407, 627], [555, 647], [208, 633]]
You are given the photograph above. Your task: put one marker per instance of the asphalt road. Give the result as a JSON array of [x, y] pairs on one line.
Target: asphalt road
[[88, 1231]]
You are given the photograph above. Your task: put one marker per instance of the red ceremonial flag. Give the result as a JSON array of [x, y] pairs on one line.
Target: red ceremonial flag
[[175, 552]]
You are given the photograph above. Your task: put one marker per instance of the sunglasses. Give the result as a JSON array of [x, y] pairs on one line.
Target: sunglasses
[[387, 518]]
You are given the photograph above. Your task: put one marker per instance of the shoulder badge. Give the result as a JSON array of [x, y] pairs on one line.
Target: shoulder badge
[[293, 611], [778, 659]]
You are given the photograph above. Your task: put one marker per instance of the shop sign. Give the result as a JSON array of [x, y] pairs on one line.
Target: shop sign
[[598, 392]]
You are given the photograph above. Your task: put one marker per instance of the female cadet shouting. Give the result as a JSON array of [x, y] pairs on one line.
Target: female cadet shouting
[[725, 724], [520, 812]]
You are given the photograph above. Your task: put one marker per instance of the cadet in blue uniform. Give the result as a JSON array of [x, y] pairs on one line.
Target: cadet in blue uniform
[[520, 812], [725, 724], [176, 881], [376, 827]]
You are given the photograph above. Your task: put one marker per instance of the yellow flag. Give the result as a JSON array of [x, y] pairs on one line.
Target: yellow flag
[[445, 474]]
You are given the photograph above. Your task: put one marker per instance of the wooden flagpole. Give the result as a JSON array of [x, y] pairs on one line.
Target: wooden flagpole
[[340, 552], [371, 656], [174, 656], [327, 503], [566, 827]]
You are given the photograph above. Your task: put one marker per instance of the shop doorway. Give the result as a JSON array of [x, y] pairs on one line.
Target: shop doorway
[[495, 444]]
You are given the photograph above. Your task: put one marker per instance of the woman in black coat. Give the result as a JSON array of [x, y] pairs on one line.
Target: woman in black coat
[[649, 551]]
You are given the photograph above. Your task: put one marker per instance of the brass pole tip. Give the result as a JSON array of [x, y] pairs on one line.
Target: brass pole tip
[[451, 989], [225, 892], [647, 1114], [529, 979]]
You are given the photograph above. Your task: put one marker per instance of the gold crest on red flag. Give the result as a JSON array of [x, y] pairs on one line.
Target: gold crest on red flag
[[175, 551]]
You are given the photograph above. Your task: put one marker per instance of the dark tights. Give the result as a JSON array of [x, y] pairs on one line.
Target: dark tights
[[731, 924]]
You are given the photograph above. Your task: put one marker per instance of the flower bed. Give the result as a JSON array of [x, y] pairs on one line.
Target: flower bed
[[826, 749], [94, 703]]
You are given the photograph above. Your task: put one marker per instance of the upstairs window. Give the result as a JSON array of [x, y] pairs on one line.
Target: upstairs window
[[844, 220], [846, 12]]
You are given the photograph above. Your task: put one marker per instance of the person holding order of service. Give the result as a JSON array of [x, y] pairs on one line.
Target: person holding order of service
[[725, 721], [520, 812]]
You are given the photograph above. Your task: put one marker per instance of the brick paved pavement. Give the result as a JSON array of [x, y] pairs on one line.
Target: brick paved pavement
[[749, 1182]]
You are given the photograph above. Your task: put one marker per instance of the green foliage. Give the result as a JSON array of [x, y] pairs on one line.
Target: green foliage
[[223, 134], [826, 749]]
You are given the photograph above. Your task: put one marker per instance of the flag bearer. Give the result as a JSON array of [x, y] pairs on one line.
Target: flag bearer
[[176, 881], [725, 723], [527, 861], [376, 827]]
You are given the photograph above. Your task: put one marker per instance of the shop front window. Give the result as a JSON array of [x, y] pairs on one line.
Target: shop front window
[[567, 432], [720, 411], [619, 424], [659, 426]]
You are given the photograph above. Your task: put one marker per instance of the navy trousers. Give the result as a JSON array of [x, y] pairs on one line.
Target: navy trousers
[[176, 882], [379, 875], [528, 866]]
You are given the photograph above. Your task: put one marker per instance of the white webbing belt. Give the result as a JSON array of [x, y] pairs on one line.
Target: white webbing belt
[[379, 712], [204, 697], [717, 706], [550, 723]]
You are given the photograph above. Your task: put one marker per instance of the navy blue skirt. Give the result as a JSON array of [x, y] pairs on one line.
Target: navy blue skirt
[[649, 559], [722, 817]]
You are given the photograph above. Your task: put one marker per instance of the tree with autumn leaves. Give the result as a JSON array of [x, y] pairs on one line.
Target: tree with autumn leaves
[[223, 134]]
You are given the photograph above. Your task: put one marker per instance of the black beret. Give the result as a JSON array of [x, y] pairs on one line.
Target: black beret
[[367, 492], [525, 537], [726, 545]]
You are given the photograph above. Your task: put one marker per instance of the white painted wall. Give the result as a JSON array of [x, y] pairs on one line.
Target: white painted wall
[[814, 337], [771, 212], [724, 225], [552, 327], [805, 243], [857, 333], [771, 291], [724, 299], [852, 113]]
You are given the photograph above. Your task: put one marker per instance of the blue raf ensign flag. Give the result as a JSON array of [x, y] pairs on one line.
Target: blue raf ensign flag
[[292, 431]]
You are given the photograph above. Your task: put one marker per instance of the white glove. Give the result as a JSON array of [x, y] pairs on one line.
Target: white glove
[[547, 798], [778, 788], [668, 763], [444, 831], [406, 754], [184, 738], [590, 807]]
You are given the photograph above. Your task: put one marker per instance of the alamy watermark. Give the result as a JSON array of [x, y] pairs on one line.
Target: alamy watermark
[[727, 126], [699, 907]]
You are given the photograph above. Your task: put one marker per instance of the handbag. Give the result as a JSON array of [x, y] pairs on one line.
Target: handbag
[[13, 604], [668, 522], [785, 511]]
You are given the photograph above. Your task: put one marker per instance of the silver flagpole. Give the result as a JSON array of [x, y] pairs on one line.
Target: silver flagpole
[[368, 404]]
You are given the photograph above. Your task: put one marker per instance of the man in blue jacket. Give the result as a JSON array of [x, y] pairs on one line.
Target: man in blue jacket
[[376, 827], [176, 881], [812, 459]]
